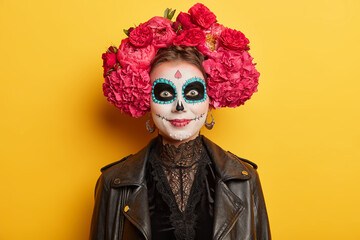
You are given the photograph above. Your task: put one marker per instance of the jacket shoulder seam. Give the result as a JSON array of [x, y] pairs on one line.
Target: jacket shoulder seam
[[114, 163], [244, 160]]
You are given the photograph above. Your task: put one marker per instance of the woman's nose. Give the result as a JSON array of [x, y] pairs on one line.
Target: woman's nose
[[179, 106]]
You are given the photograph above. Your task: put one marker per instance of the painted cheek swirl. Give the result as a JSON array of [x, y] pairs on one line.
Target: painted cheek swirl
[[163, 91], [194, 90]]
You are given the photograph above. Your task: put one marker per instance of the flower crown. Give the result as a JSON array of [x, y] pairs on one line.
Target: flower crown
[[232, 77]]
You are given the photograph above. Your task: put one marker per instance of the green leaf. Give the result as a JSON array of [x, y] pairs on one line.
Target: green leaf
[[166, 12], [171, 15], [126, 32], [179, 28], [115, 49]]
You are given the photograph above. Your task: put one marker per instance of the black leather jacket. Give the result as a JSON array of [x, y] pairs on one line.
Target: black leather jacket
[[121, 204]]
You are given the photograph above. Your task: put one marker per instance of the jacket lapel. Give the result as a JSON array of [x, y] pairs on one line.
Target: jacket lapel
[[227, 210], [131, 174], [228, 206], [138, 211]]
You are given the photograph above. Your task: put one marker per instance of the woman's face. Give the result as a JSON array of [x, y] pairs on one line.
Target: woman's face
[[179, 102]]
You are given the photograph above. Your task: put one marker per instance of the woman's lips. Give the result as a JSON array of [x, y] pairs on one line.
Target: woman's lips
[[180, 122]]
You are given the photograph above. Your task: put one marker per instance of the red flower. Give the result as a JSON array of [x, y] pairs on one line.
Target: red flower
[[232, 60], [211, 44], [129, 90], [202, 16], [190, 38], [234, 40], [163, 34], [141, 36], [135, 57], [109, 60], [185, 20], [232, 78]]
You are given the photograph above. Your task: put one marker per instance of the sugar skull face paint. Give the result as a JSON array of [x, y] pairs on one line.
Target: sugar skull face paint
[[194, 90], [163, 91], [179, 102]]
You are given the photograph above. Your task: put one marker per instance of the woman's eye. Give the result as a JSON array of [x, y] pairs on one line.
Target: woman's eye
[[192, 93], [165, 94]]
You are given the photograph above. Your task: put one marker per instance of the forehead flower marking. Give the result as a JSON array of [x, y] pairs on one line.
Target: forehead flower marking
[[178, 74]]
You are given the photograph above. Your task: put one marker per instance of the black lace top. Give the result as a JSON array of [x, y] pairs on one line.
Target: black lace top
[[181, 191]]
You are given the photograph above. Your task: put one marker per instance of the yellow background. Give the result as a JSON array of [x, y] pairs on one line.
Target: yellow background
[[301, 128]]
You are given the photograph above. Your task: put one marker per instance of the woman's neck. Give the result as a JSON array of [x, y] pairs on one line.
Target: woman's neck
[[185, 154]]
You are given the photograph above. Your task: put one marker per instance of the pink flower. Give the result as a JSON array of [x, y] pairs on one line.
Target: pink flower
[[232, 78], [185, 21], [202, 16], [141, 36], [212, 42], [163, 34], [109, 60], [190, 38], [129, 90], [135, 57], [234, 40], [215, 69], [232, 60]]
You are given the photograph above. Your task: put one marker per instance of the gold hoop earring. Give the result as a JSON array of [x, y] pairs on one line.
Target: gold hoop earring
[[211, 124], [150, 129]]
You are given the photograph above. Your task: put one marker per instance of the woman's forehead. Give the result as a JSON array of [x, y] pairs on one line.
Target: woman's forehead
[[176, 72]]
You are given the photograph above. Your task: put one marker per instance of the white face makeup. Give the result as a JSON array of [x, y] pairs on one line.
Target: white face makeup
[[179, 102]]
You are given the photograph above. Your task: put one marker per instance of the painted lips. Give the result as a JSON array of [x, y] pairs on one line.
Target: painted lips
[[180, 122]]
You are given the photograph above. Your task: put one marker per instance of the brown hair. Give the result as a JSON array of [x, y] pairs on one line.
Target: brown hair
[[177, 53]]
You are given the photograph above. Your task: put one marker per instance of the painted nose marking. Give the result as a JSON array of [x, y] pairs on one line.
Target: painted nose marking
[[179, 106]]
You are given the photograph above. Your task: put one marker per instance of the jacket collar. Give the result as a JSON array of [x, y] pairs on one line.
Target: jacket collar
[[227, 165], [132, 171]]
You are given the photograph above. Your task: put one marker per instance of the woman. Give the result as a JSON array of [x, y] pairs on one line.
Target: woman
[[181, 185]]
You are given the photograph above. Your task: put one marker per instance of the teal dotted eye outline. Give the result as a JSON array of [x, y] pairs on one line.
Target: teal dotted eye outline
[[190, 81], [162, 80]]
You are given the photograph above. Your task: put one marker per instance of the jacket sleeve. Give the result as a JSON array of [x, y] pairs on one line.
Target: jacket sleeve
[[260, 214], [98, 227]]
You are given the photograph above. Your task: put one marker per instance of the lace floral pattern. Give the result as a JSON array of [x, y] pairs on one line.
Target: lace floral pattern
[[180, 165], [179, 174]]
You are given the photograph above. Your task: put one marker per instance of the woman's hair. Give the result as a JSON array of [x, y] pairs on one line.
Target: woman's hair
[[177, 53]]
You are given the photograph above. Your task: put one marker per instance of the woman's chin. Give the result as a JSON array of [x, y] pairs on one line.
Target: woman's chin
[[178, 136]]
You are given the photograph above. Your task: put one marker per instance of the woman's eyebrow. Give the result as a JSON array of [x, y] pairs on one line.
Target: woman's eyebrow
[[195, 79], [165, 80]]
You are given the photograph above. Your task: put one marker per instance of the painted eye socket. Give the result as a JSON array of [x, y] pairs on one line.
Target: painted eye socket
[[163, 91], [194, 90]]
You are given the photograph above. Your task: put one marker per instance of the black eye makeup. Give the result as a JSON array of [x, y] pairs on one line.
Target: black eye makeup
[[163, 91], [194, 90]]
